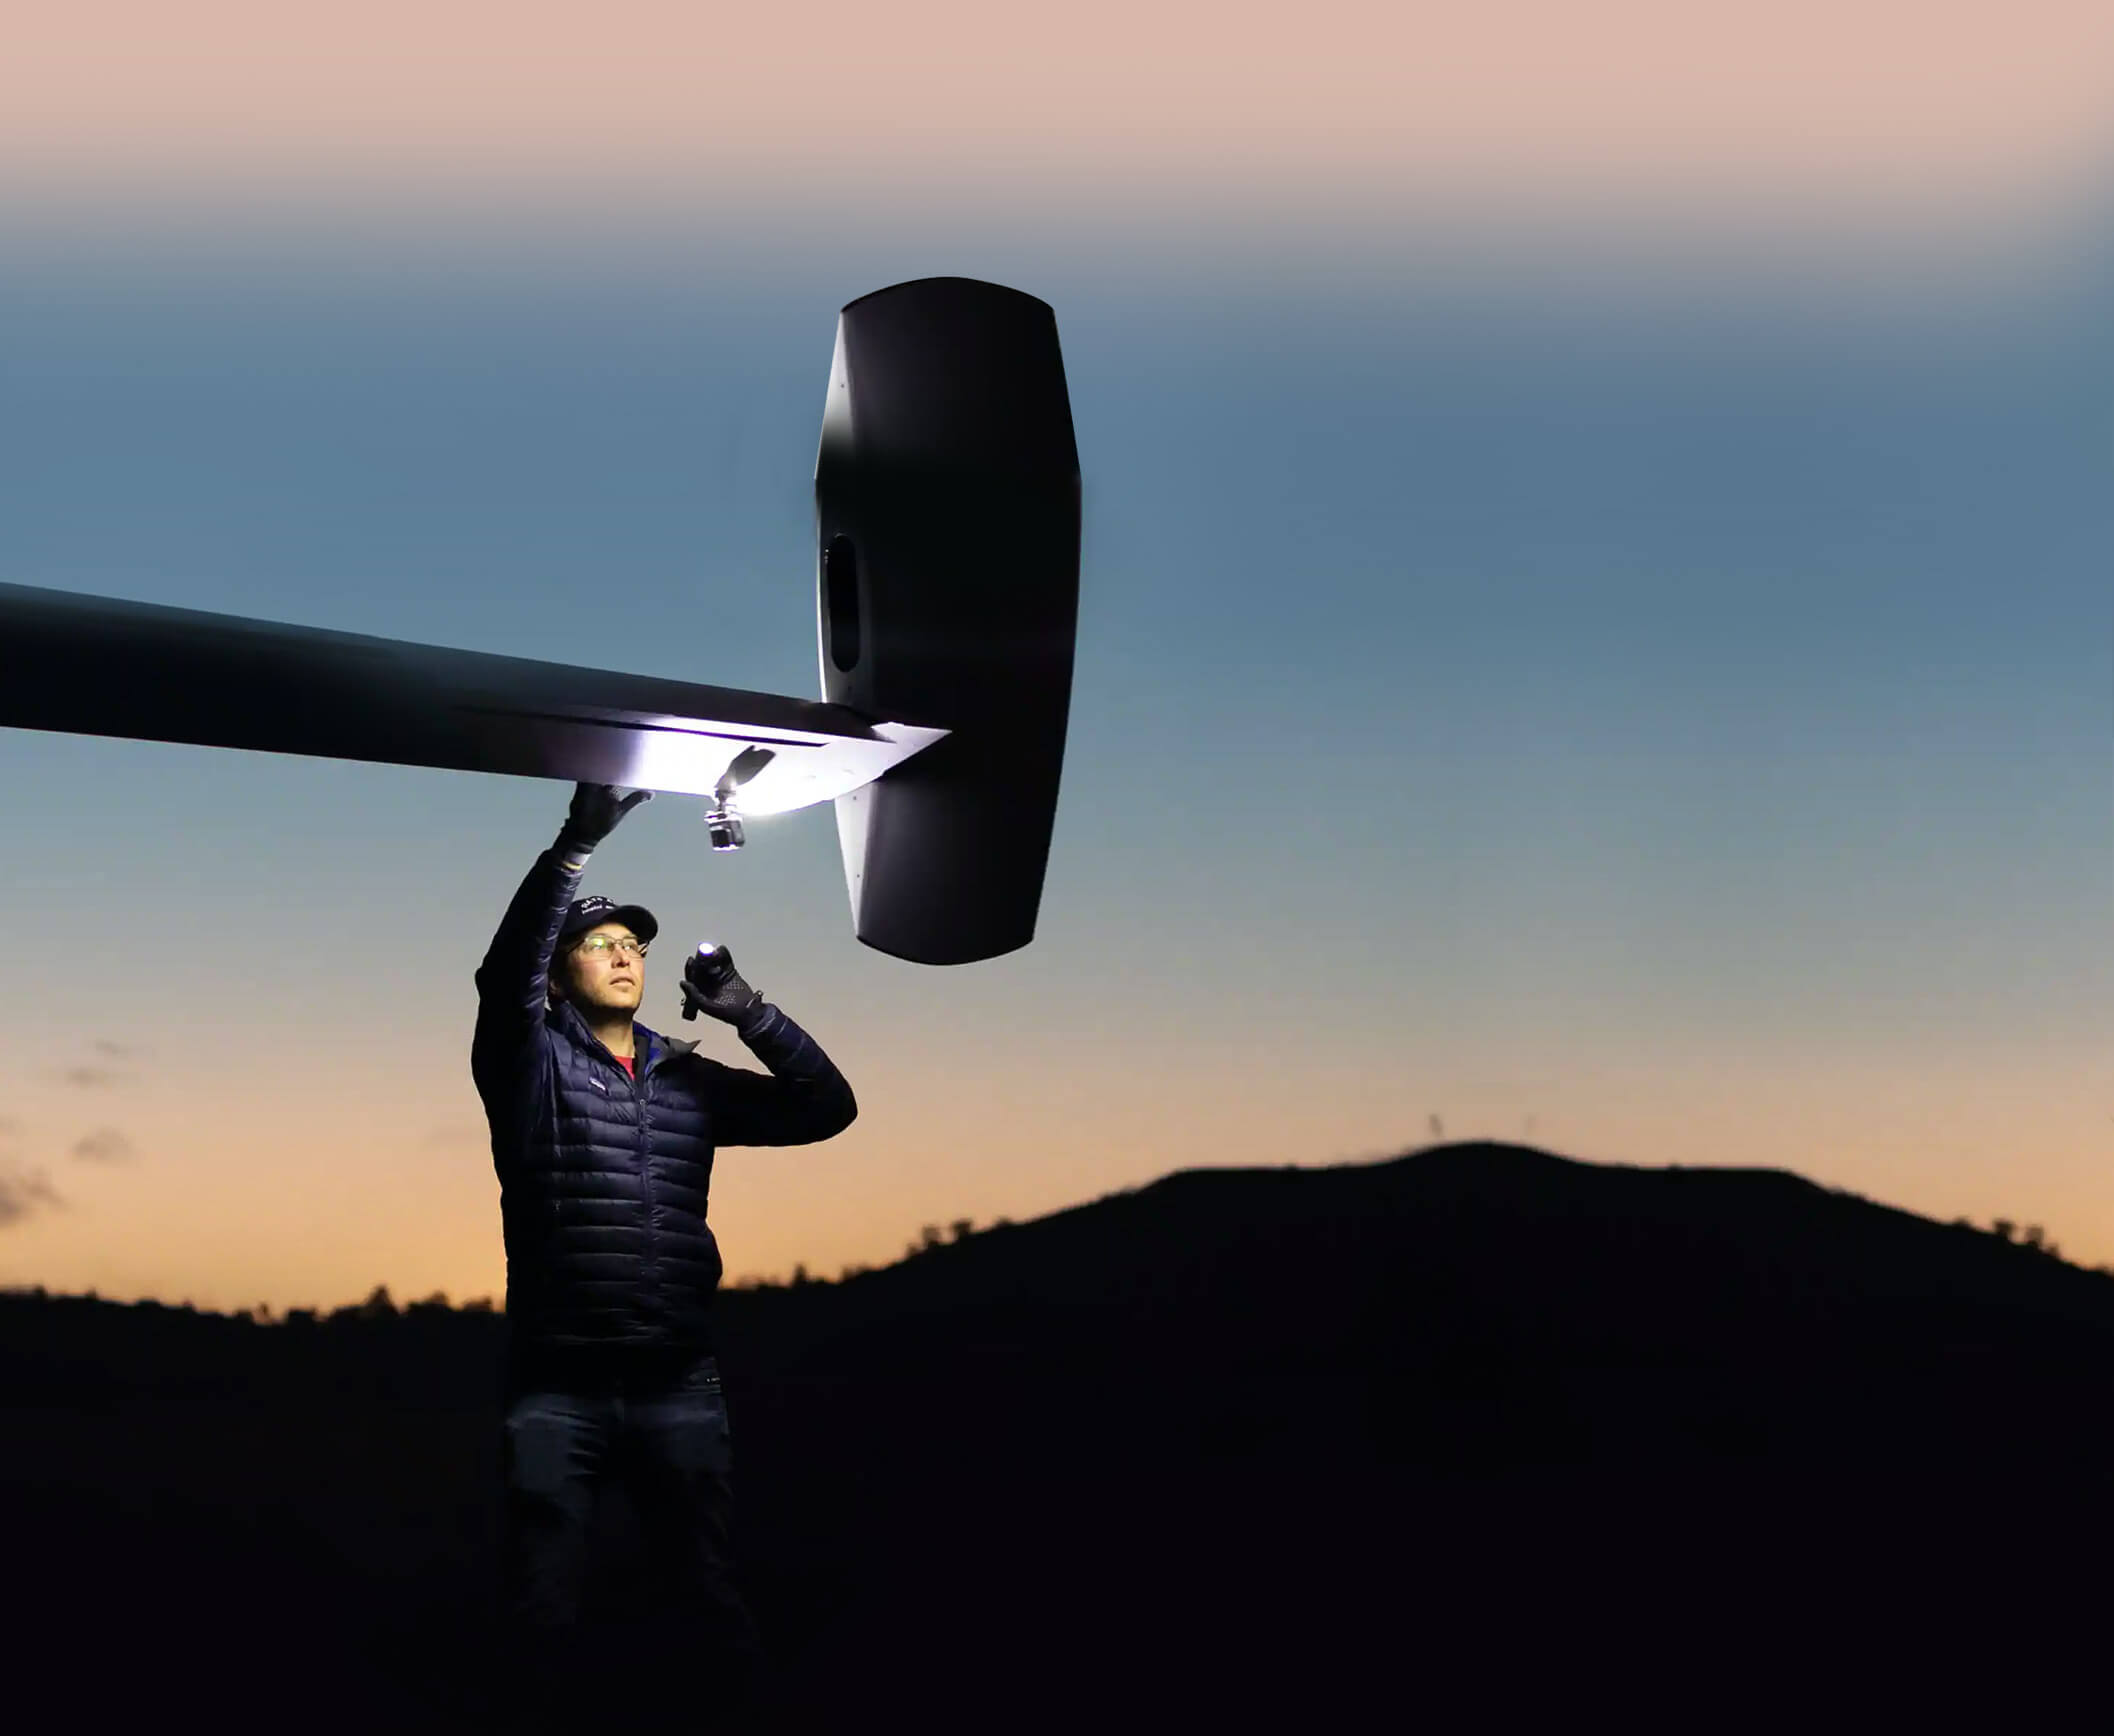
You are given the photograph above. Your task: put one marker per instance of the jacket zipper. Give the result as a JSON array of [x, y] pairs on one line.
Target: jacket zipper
[[650, 1263]]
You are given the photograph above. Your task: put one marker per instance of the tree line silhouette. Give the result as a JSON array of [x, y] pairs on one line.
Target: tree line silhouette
[[379, 1304]]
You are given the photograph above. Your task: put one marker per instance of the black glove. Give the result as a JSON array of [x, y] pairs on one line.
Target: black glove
[[595, 812], [712, 985]]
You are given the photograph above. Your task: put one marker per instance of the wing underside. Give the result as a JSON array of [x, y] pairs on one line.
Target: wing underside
[[98, 666]]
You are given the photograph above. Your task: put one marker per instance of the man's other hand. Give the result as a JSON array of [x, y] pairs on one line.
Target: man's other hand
[[596, 811], [713, 986]]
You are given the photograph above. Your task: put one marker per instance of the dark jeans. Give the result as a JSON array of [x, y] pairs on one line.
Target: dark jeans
[[660, 1430]]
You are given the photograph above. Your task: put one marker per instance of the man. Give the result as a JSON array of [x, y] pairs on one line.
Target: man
[[603, 1134]]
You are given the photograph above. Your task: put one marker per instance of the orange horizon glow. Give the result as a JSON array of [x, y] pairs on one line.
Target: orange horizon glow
[[321, 1224]]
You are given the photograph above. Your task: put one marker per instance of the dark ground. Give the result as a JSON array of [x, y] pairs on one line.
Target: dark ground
[[1478, 1435]]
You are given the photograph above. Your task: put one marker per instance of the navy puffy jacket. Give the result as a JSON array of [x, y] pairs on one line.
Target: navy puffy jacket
[[603, 1178]]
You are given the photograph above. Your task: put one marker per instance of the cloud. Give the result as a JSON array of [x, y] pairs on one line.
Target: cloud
[[104, 1145], [23, 1192], [92, 1078], [105, 1073]]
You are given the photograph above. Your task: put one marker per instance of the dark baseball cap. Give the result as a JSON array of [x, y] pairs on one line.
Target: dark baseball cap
[[586, 913]]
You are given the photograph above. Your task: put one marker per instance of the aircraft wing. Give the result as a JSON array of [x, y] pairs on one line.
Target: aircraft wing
[[98, 666]]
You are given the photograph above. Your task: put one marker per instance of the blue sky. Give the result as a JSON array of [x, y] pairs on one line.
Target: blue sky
[[1664, 714]]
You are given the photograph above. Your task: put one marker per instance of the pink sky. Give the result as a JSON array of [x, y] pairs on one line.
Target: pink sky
[[1913, 105]]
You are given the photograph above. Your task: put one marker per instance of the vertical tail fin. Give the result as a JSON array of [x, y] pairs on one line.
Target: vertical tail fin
[[947, 520]]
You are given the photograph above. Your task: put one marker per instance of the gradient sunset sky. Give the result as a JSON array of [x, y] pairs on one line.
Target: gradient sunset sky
[[1596, 620]]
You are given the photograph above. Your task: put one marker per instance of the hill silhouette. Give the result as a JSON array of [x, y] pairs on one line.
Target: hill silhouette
[[1482, 1425]]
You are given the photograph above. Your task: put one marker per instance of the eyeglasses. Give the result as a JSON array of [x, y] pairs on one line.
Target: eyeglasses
[[599, 944]]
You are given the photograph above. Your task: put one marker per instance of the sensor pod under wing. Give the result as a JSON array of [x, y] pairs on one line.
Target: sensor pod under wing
[[947, 520]]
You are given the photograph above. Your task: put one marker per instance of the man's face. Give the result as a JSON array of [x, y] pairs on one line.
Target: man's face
[[605, 969]]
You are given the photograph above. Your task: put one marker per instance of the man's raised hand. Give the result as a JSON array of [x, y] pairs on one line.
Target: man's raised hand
[[596, 811]]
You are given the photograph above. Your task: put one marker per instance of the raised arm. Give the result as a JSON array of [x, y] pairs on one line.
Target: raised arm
[[802, 1099], [512, 983]]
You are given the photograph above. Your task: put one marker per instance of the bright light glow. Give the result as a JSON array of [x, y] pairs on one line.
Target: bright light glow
[[678, 760], [671, 754], [800, 777]]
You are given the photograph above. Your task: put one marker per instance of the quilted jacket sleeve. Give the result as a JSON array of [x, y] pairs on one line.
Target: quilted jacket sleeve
[[802, 1099], [511, 983]]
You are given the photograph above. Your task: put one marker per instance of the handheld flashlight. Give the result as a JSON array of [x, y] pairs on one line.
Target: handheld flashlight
[[705, 973]]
